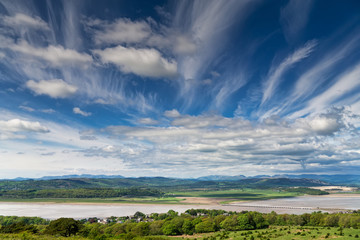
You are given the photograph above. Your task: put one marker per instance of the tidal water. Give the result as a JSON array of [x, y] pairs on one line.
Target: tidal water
[[297, 205]]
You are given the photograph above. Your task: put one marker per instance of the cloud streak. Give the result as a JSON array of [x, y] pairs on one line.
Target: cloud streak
[[276, 74]]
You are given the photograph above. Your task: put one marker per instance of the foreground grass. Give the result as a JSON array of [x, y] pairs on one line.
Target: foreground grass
[[275, 232], [282, 233], [28, 236]]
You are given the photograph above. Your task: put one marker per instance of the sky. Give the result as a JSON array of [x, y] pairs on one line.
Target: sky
[[179, 88]]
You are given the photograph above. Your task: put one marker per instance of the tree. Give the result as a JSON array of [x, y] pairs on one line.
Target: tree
[[206, 226], [155, 227], [18, 227], [141, 229], [64, 227], [139, 215], [170, 229], [230, 223], [188, 227], [245, 222]]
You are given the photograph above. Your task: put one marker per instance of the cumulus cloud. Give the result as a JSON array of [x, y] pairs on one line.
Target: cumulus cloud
[[77, 110], [144, 62], [22, 20], [324, 126], [140, 33], [17, 125], [172, 113], [55, 88], [56, 56], [120, 31], [212, 141]]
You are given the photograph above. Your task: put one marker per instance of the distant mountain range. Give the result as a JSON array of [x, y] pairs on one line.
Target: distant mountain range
[[278, 180], [331, 179], [67, 177]]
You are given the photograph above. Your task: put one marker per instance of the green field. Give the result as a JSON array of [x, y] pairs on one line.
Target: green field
[[237, 195], [225, 196], [144, 200]]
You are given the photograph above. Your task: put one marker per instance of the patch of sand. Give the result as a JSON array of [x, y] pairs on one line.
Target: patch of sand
[[202, 200], [335, 188]]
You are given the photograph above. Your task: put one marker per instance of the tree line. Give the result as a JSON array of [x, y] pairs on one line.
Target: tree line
[[80, 193], [172, 223]]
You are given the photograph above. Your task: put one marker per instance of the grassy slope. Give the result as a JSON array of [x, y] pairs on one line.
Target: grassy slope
[[284, 233], [275, 232]]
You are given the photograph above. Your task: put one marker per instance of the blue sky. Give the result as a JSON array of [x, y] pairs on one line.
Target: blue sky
[[179, 88]]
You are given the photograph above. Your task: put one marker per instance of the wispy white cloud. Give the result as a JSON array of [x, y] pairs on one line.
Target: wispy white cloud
[[141, 34], [311, 81], [184, 45], [347, 82], [209, 23], [25, 21], [120, 31], [56, 56], [276, 73], [77, 110], [225, 89], [143, 62], [209, 32], [55, 88], [49, 110], [27, 108], [147, 121], [294, 17]]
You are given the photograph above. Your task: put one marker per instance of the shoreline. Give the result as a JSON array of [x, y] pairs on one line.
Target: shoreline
[[186, 200], [80, 210]]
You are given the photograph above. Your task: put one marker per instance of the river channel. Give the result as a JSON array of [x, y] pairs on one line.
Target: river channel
[[297, 205]]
